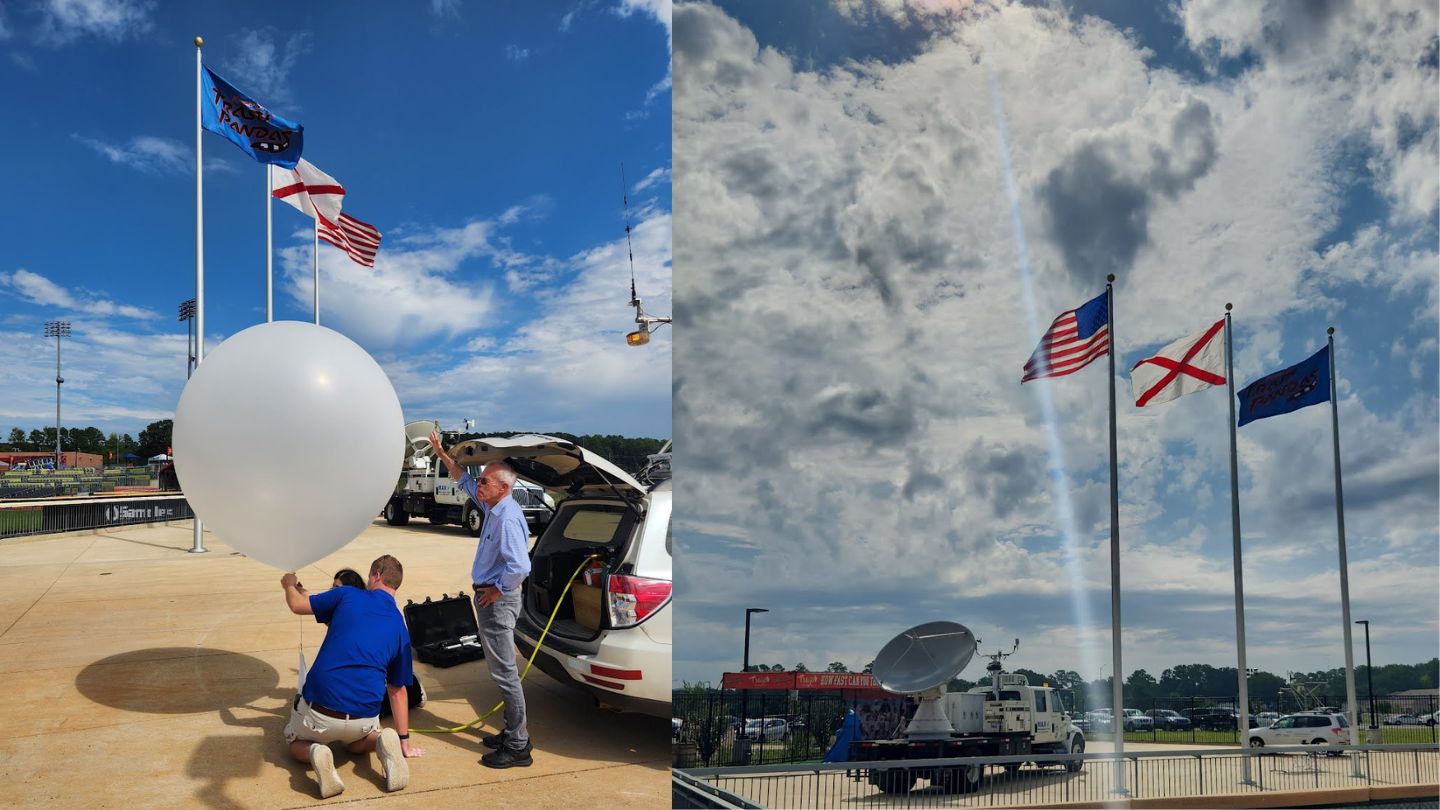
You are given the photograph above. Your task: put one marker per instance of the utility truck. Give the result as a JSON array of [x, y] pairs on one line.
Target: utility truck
[[1010, 717], [426, 490]]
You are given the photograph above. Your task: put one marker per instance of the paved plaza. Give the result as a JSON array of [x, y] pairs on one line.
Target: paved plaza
[[141, 675]]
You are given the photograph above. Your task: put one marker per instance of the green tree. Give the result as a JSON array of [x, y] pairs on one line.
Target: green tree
[[37, 439], [155, 438], [836, 666], [17, 439], [800, 668], [1141, 688], [1067, 679]]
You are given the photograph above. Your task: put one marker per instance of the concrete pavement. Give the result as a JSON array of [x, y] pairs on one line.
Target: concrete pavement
[[140, 675]]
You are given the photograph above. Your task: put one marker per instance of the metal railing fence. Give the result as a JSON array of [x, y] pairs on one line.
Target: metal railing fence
[[1010, 781], [69, 516]]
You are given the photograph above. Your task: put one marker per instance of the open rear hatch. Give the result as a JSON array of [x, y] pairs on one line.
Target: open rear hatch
[[593, 528]]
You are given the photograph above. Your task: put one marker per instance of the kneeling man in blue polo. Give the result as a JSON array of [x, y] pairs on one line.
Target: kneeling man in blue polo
[[364, 660]]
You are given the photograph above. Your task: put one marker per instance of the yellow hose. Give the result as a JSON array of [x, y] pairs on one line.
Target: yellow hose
[[533, 653]]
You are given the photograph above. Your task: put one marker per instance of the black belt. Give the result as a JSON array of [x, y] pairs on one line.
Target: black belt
[[318, 709], [479, 585]]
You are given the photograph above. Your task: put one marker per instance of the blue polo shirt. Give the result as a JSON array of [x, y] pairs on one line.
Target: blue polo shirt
[[366, 647]]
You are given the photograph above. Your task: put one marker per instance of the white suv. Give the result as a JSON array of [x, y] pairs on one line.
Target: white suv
[[1306, 728], [611, 634]]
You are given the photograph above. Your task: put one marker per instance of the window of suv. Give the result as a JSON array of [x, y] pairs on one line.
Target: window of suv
[[598, 524]]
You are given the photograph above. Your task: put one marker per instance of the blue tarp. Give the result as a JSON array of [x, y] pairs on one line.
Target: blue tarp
[[848, 733]]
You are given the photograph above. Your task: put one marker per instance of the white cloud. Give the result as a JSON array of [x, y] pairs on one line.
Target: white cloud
[[445, 8], [36, 289], [857, 304], [654, 178], [145, 153], [661, 12], [904, 12], [62, 21], [260, 64], [516, 54]]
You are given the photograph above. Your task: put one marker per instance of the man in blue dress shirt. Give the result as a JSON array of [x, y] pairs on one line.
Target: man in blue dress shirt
[[502, 561]]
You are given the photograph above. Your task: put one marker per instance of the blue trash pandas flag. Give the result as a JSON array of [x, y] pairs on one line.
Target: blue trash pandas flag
[[258, 132], [1289, 389]]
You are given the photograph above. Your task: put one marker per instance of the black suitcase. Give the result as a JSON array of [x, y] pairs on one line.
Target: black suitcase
[[443, 631]]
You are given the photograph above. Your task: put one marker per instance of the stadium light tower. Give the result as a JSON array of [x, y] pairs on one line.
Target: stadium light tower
[[57, 330], [187, 314]]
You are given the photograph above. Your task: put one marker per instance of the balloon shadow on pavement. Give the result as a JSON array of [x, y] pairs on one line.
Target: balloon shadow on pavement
[[176, 680]]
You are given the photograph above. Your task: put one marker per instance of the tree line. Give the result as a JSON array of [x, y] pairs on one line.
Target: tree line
[[152, 441], [1190, 680]]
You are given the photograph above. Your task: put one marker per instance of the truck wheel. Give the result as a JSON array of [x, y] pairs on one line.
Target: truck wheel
[[1077, 746], [893, 780], [474, 519], [396, 516]]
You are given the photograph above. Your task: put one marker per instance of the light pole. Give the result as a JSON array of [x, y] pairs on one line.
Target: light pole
[[748, 611], [187, 314], [1369, 672], [57, 330]]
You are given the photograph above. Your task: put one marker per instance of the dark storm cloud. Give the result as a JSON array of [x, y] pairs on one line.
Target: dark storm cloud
[[1097, 204], [882, 418], [920, 481], [1096, 215], [1005, 479]]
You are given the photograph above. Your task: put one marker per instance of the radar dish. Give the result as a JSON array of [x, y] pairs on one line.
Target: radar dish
[[417, 437], [924, 657]]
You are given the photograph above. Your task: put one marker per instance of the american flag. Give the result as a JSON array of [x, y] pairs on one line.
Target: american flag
[[1075, 338], [360, 240]]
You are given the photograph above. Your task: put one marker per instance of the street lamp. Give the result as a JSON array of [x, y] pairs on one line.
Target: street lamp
[[748, 611], [1369, 673], [57, 330], [187, 314]]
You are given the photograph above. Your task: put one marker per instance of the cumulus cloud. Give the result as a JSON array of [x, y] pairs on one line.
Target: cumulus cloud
[[516, 54], [63, 21], [145, 153], [879, 248], [35, 288], [262, 61]]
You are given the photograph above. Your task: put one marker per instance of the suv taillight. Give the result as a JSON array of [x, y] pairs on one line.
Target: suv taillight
[[633, 599]]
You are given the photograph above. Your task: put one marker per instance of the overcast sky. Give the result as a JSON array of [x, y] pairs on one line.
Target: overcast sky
[[484, 141], [881, 204]]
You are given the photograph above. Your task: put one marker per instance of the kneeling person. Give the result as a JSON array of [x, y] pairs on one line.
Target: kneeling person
[[364, 660]]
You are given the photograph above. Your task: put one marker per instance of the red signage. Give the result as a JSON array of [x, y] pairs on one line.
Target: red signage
[[835, 680], [757, 680]]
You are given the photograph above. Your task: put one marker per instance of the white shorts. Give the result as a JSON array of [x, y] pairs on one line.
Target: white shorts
[[310, 725]]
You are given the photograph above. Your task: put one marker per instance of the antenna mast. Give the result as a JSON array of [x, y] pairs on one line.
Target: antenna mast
[[640, 336]]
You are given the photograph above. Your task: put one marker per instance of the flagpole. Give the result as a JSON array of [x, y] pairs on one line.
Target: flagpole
[[1117, 691], [315, 260], [198, 541], [269, 243], [1344, 565], [1243, 675]]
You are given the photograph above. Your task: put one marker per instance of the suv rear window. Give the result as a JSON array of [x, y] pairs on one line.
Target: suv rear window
[[593, 525]]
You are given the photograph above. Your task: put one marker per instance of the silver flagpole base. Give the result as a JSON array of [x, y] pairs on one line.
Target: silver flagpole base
[[199, 545]]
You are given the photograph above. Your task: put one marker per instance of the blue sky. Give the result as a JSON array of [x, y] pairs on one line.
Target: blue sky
[[485, 141], [901, 194]]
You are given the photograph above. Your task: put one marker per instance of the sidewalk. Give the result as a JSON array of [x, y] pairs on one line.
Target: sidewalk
[[140, 675]]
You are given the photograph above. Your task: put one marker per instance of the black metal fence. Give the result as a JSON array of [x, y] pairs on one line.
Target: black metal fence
[[69, 516], [739, 727], [1037, 781]]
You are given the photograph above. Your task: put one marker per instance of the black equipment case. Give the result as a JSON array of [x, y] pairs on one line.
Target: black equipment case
[[444, 632]]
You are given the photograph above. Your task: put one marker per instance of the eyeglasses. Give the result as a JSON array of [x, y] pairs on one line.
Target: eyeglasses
[[482, 482]]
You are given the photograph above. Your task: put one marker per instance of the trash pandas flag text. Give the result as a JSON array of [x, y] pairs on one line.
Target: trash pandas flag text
[[258, 132], [1289, 389]]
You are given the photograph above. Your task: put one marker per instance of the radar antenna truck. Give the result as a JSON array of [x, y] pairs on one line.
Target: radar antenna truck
[[426, 490], [1010, 717]]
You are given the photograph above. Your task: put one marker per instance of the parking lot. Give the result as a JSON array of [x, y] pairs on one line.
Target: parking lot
[[141, 675]]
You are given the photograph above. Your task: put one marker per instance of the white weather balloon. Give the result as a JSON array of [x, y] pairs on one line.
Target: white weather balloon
[[288, 440]]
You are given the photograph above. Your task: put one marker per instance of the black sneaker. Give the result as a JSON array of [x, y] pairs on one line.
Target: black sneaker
[[507, 758], [498, 741]]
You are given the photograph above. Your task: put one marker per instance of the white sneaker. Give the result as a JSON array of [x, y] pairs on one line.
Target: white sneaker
[[323, 761], [392, 760]]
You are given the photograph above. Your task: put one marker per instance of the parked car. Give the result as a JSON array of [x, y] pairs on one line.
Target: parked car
[[1215, 719], [1136, 720], [1099, 720], [766, 729], [1266, 718], [611, 633], [1169, 720], [1406, 720], [1310, 728]]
